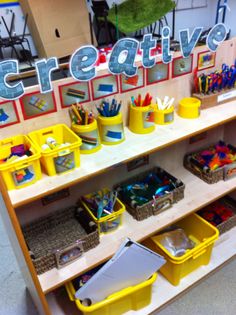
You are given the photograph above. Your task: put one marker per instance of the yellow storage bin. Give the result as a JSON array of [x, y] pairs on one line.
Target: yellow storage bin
[[22, 172], [163, 117], [141, 119], [110, 222], [131, 298], [89, 136], [198, 230], [58, 159], [111, 129], [189, 107]]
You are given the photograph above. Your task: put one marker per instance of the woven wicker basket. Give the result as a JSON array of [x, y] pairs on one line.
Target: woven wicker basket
[[208, 176], [59, 232], [162, 203], [231, 222]]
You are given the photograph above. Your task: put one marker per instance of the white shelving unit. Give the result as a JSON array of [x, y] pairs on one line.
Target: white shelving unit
[[166, 147], [163, 292]]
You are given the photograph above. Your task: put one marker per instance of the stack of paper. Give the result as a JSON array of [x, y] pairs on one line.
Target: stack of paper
[[132, 264]]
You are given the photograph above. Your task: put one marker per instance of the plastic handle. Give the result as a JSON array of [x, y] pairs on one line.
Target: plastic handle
[[22, 166], [64, 152], [7, 142], [201, 252], [46, 133]]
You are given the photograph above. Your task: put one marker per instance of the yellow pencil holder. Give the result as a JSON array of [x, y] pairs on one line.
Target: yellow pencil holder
[[90, 137], [141, 119], [164, 117], [189, 107], [111, 129]]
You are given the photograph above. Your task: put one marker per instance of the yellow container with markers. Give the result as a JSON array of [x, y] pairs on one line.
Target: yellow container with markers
[[141, 119], [89, 135], [189, 107], [163, 117], [65, 156], [111, 129], [20, 172]]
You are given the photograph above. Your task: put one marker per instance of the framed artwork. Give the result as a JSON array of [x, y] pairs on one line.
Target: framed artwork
[[132, 83], [8, 114], [205, 60], [76, 92], [158, 73], [104, 86], [36, 104], [182, 66]]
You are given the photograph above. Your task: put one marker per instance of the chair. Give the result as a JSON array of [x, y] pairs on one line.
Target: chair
[[17, 40], [100, 10]]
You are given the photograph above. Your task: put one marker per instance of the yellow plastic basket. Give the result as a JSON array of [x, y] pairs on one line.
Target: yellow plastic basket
[[60, 159], [23, 172], [110, 222], [131, 298], [202, 233]]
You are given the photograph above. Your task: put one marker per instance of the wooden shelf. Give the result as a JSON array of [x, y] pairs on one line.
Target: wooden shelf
[[197, 195], [163, 292], [134, 146]]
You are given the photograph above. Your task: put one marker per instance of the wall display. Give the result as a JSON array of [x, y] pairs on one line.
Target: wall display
[[158, 73], [8, 114], [76, 92], [182, 66], [205, 60], [36, 104], [132, 83], [190, 4], [104, 86]]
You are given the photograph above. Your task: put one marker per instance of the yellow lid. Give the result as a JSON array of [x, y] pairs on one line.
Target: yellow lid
[[190, 102]]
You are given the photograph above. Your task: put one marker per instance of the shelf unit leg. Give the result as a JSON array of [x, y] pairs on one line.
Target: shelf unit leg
[[18, 244]]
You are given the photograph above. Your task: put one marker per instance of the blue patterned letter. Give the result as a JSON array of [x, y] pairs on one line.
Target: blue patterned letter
[[148, 43], [216, 36], [123, 57], [84, 58], [44, 68], [166, 55], [7, 91], [187, 44]]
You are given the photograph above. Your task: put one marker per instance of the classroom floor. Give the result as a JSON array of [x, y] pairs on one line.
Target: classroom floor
[[214, 296]]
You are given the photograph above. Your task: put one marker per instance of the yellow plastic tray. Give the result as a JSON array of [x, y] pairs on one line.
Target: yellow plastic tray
[[200, 231], [110, 222], [132, 298], [52, 158], [10, 170]]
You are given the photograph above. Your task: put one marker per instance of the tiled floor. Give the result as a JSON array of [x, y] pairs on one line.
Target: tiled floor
[[214, 296]]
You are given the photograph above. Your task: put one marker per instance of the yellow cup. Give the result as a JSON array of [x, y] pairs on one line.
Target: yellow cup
[[141, 119], [89, 136], [189, 107], [111, 129], [163, 117]]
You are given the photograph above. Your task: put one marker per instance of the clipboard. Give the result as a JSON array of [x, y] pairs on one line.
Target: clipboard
[[133, 263]]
